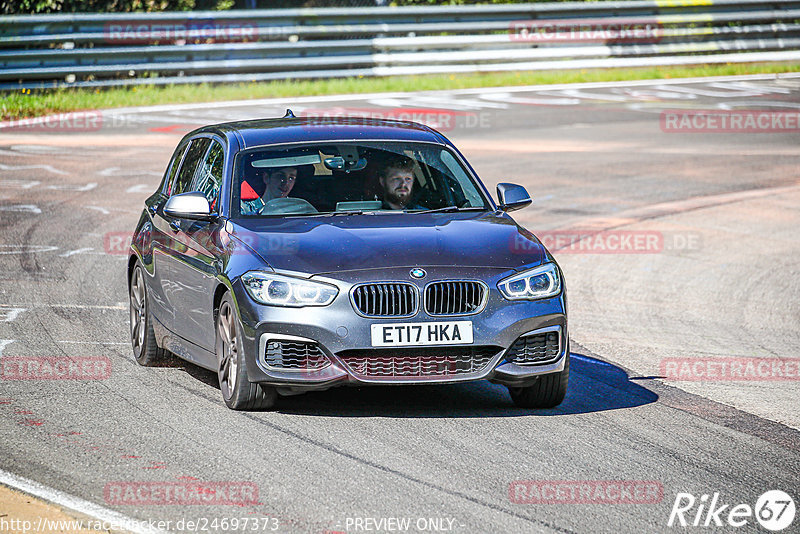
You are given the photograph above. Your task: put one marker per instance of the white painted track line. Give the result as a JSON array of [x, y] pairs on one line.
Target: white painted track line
[[65, 500]]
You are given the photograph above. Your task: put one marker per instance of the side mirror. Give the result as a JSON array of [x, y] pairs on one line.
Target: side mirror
[[192, 205], [512, 197]]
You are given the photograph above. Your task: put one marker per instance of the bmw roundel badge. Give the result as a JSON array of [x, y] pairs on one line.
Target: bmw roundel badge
[[417, 273]]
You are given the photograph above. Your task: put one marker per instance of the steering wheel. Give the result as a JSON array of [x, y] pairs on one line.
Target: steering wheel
[[287, 205]]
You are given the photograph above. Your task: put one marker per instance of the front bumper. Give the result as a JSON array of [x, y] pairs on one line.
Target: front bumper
[[338, 331]]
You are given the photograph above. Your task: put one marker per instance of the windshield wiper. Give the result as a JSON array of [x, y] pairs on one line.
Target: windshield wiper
[[449, 209], [350, 212], [362, 212], [273, 215]]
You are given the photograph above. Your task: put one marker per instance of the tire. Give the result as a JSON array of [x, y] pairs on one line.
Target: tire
[[547, 392], [143, 338], [237, 390]]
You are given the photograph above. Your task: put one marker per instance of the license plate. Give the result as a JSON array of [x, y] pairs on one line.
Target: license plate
[[406, 334]]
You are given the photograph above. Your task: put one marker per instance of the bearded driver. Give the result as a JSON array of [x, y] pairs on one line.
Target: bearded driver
[[397, 181]]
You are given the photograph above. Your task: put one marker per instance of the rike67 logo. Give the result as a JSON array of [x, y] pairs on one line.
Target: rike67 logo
[[774, 510]]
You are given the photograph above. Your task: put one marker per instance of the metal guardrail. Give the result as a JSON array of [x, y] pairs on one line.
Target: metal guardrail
[[189, 47]]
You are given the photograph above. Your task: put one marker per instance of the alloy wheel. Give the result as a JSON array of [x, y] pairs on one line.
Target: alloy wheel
[[228, 350], [138, 311]]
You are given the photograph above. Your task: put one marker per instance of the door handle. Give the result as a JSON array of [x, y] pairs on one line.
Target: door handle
[[175, 225]]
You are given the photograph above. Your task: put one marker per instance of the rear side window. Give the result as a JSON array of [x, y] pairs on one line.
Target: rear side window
[[184, 180], [209, 175]]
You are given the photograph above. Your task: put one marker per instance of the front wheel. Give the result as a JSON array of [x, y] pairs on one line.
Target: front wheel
[[237, 390], [547, 392], [143, 337]]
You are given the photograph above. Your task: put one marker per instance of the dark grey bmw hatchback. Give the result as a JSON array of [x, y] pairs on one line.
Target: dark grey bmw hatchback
[[298, 254]]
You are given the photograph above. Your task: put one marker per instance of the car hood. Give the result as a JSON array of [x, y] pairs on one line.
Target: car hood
[[329, 244]]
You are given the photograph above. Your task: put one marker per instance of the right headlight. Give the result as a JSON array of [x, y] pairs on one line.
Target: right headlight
[[537, 283], [279, 290]]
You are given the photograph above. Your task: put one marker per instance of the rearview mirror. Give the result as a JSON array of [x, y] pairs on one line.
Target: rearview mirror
[[512, 197], [193, 205], [338, 163]]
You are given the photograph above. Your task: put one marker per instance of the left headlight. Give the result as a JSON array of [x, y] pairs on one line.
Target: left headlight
[[278, 290], [538, 283]]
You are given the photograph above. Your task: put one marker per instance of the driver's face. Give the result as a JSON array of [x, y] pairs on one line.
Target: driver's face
[[398, 184], [280, 182]]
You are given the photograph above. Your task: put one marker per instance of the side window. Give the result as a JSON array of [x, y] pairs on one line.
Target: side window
[[209, 175], [196, 151], [173, 167], [466, 187]]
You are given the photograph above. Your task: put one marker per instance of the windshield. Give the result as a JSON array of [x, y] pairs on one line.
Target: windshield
[[350, 178]]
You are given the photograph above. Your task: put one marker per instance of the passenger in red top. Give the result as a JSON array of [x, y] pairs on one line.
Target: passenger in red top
[[278, 183]]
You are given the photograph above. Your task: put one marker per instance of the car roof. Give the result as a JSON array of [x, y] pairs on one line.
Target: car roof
[[259, 132]]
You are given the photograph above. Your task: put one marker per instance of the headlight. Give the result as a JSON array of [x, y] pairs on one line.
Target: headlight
[[279, 290], [539, 283]]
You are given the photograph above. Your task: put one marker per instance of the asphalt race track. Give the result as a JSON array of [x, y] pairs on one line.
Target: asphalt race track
[[700, 259]]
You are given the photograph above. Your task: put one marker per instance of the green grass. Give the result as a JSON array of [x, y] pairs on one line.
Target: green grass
[[31, 103]]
